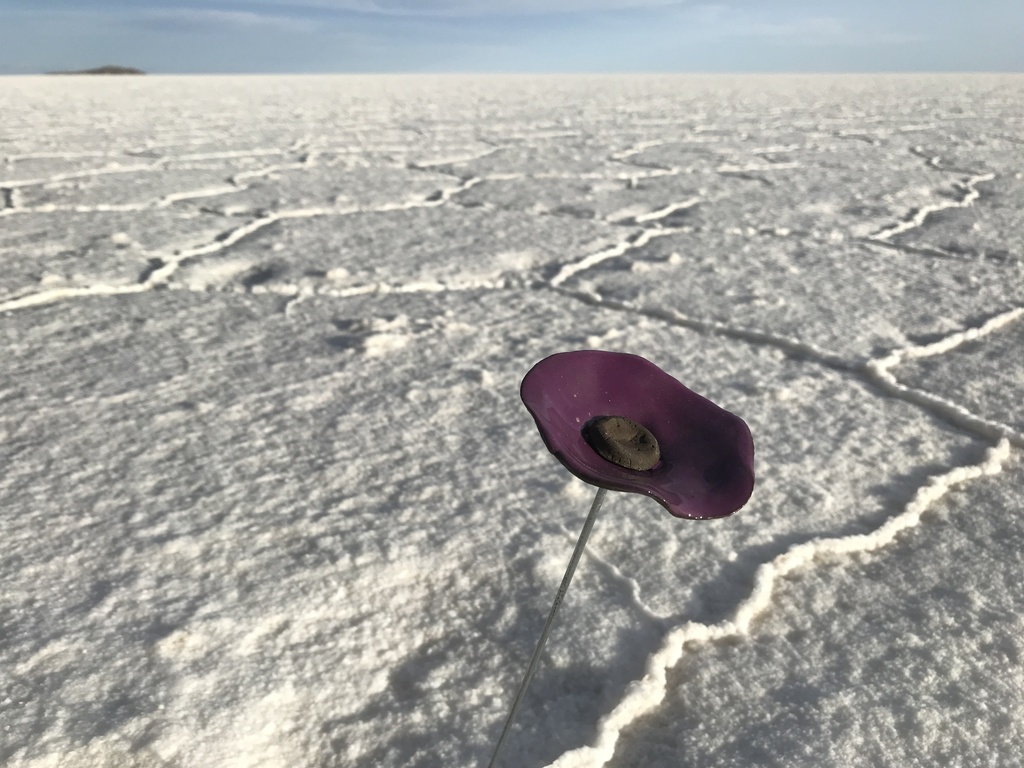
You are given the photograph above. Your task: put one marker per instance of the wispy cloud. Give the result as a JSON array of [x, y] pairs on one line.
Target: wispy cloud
[[468, 8], [812, 27], [826, 31], [813, 30], [198, 19]]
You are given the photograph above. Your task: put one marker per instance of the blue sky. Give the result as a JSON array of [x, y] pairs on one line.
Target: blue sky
[[229, 36]]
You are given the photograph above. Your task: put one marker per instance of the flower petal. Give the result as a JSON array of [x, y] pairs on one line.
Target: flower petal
[[707, 453]]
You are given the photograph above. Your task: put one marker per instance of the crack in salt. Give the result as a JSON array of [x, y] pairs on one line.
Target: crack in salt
[[637, 239], [640, 239], [916, 218], [730, 169], [646, 694], [792, 347], [437, 166], [873, 371], [879, 371], [952, 341], [632, 585], [155, 276], [90, 173], [234, 184], [867, 138], [61, 294], [662, 213], [297, 294]]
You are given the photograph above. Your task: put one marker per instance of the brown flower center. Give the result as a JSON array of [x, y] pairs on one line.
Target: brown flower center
[[622, 441]]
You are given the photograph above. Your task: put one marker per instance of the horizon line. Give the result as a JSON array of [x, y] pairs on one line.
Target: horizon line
[[525, 73]]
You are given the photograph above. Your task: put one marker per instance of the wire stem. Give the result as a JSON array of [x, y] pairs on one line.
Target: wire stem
[[577, 553]]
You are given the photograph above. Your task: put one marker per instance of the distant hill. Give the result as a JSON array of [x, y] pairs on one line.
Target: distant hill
[[109, 69]]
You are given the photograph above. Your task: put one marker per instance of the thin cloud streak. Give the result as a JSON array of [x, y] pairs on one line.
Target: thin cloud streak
[[203, 18], [468, 8], [725, 21]]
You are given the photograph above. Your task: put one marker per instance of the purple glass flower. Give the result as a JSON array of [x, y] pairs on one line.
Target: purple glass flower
[[670, 443]]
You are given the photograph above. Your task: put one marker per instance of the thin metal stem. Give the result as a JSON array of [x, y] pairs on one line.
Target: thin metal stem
[[577, 553]]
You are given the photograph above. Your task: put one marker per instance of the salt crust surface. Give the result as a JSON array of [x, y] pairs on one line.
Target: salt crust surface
[[270, 498]]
